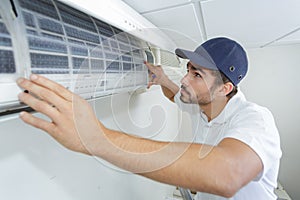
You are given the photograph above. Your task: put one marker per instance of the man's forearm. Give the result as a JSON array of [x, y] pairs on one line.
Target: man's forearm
[[168, 162], [161, 161], [169, 88]]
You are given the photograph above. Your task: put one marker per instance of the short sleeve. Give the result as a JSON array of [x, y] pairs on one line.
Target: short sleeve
[[255, 127]]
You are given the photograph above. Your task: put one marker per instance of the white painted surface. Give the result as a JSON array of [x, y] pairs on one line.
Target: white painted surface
[[273, 81], [33, 166]]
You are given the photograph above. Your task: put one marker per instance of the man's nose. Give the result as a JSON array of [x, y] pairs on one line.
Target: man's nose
[[185, 80]]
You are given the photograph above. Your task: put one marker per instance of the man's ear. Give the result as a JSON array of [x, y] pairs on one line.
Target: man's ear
[[227, 88]]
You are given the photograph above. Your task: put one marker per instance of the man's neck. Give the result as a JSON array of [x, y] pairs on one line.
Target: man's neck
[[213, 109]]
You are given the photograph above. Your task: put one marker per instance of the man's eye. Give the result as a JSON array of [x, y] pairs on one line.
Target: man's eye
[[197, 75]]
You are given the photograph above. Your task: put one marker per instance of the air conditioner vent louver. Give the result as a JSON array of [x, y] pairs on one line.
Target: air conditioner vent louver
[[169, 59], [170, 64]]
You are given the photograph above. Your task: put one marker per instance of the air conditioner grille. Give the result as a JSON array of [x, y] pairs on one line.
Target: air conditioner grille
[[44, 7], [56, 31], [48, 25], [87, 55], [63, 40], [76, 18], [7, 63]]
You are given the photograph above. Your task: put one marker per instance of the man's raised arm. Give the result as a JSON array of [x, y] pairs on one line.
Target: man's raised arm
[[158, 77]]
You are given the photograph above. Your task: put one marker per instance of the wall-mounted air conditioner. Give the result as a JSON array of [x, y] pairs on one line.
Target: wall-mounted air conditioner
[[94, 48]]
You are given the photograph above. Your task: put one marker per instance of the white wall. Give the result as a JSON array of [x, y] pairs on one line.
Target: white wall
[[273, 81], [33, 166]]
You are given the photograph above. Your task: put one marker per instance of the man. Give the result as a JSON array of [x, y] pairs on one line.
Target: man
[[236, 152]]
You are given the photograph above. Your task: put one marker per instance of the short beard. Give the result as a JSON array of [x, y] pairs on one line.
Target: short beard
[[202, 101]]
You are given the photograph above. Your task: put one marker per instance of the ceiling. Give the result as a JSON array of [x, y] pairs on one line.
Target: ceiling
[[254, 23]]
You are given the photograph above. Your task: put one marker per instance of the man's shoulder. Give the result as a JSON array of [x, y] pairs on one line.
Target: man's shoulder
[[245, 108]]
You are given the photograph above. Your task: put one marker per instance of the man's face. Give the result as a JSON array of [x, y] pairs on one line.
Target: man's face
[[198, 86]]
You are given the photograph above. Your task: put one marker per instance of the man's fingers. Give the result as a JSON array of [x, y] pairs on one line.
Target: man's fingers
[[39, 105], [53, 86], [41, 92], [150, 66], [149, 84], [37, 122]]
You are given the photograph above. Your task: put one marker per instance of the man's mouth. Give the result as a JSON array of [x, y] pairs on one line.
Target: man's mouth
[[183, 90]]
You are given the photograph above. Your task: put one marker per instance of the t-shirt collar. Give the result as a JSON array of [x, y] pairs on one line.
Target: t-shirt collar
[[228, 110]]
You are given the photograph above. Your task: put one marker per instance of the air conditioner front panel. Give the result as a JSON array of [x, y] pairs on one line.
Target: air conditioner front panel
[[85, 54]]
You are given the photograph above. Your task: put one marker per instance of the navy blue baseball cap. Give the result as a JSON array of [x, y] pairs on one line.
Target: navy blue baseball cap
[[221, 54]]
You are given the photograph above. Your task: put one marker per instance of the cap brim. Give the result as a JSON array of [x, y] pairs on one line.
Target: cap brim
[[201, 60]]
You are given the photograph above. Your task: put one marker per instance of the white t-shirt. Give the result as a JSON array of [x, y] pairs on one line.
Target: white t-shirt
[[252, 124]]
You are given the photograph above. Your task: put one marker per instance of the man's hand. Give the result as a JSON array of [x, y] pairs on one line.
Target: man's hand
[[72, 120], [156, 75]]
